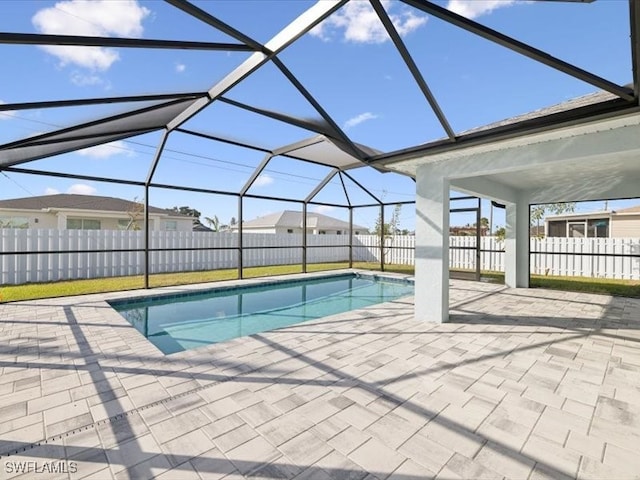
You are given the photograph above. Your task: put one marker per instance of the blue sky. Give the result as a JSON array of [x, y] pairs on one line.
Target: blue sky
[[347, 63]]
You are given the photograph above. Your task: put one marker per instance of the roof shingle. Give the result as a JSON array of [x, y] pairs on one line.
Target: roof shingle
[[80, 202]]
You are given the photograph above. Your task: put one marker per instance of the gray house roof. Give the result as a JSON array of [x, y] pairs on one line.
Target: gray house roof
[[293, 219], [80, 202], [582, 101]]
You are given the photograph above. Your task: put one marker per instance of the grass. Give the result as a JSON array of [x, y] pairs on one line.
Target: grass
[[606, 286], [30, 291]]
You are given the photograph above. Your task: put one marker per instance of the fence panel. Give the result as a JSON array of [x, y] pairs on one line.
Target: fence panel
[[552, 256]]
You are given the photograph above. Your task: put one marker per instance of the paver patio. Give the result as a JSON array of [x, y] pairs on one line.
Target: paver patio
[[523, 384]]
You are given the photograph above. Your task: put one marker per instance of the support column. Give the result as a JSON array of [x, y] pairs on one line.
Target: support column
[[62, 221], [432, 246], [350, 237], [516, 263], [147, 238], [304, 237]]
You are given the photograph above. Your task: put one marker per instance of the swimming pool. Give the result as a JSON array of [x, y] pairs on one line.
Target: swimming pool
[[180, 322]]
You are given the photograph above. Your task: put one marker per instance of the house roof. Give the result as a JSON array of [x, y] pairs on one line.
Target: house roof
[[580, 215], [293, 219], [410, 160], [573, 103], [635, 209], [78, 202], [601, 213]]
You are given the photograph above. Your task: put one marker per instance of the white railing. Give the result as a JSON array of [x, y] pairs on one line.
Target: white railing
[[558, 256]]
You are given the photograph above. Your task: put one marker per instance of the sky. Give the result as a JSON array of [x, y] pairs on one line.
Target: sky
[[347, 63]]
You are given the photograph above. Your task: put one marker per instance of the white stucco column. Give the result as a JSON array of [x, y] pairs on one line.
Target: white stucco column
[[62, 221], [432, 246], [516, 263]]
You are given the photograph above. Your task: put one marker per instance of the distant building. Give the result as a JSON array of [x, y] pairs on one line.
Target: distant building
[[86, 212], [289, 221], [603, 224]]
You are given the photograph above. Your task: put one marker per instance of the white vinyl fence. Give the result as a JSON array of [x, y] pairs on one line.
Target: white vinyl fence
[[117, 261], [560, 256], [550, 256]]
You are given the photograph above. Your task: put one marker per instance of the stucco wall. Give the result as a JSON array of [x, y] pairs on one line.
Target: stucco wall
[[50, 220], [44, 220], [625, 226]]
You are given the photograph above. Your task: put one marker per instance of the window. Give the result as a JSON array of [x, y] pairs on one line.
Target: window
[[14, 222], [322, 232], [557, 229], [171, 225], [576, 230], [130, 224], [598, 228], [289, 230], [82, 224], [124, 224], [338, 232]]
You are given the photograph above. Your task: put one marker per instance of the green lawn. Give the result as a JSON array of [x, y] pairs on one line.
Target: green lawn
[[9, 293], [30, 291], [622, 288]]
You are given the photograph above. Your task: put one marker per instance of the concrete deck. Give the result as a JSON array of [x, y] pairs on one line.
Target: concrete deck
[[522, 384]]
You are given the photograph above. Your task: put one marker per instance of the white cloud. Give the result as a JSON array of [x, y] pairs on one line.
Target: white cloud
[[358, 119], [263, 180], [102, 18], [83, 80], [324, 209], [81, 189], [180, 67], [360, 23], [105, 150], [475, 8], [77, 188], [6, 114]]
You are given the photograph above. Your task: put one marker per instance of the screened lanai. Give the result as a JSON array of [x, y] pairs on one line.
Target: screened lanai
[[143, 138], [218, 111]]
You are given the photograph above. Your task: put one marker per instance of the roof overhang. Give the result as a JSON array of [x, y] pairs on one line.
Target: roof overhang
[[579, 216], [585, 161]]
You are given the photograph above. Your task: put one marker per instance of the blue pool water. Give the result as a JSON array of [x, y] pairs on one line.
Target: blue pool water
[[181, 322]]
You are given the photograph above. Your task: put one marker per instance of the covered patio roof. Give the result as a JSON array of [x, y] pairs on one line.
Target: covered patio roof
[[588, 160]]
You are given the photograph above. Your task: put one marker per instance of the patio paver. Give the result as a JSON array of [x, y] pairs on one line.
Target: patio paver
[[520, 384]]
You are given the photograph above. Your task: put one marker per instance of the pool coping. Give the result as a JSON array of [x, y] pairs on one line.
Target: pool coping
[[231, 285]]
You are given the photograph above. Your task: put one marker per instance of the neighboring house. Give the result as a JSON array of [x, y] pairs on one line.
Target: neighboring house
[[604, 224], [289, 221], [86, 212]]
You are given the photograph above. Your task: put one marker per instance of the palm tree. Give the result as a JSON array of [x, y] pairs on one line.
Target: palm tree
[[214, 223]]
